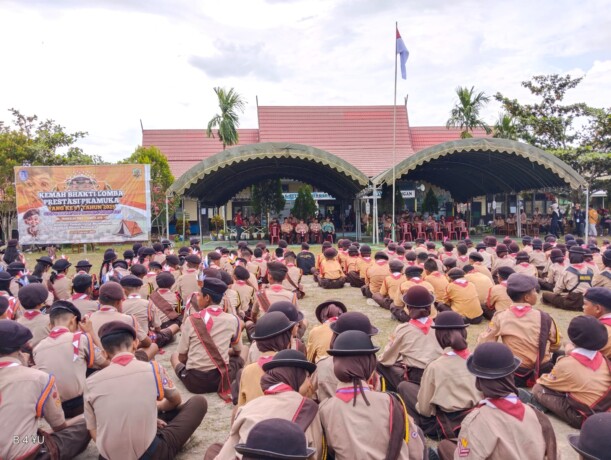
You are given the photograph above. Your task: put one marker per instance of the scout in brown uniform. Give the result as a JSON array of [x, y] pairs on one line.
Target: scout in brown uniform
[[286, 389], [17, 271], [27, 395], [554, 271], [5, 281], [153, 270], [319, 337], [292, 282], [32, 298], [111, 302], [524, 266], [125, 401], [572, 284], [414, 278], [411, 346], [275, 292], [435, 278], [159, 255], [67, 354], [331, 274], [390, 286], [597, 303], [447, 392], [537, 256], [462, 297], [482, 283], [502, 258], [83, 289], [188, 283], [501, 427], [172, 263], [603, 278], [497, 299], [208, 354], [462, 256], [324, 380], [579, 385], [246, 292], [272, 334], [42, 270], [59, 283], [361, 423], [351, 267], [365, 261], [531, 334], [375, 274], [167, 302], [261, 263]]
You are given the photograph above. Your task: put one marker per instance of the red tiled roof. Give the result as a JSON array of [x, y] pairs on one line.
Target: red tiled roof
[[361, 135], [426, 136]]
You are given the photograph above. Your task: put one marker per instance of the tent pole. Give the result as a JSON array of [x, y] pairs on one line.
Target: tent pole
[[587, 212], [518, 217], [199, 219], [167, 217], [184, 218]]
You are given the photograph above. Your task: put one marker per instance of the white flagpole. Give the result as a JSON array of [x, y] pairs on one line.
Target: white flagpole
[[394, 141]]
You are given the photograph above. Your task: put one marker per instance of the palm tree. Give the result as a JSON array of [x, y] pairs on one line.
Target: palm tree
[[505, 127], [466, 113], [226, 122]]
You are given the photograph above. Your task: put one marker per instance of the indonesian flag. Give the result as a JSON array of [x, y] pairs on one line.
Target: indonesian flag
[[403, 54]]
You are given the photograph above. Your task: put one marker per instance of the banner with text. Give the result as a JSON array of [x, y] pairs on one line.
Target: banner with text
[[83, 204]]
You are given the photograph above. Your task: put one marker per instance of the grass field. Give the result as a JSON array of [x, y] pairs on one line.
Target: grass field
[[215, 426]]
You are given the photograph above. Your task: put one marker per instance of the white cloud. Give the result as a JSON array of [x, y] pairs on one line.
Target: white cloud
[[101, 69]]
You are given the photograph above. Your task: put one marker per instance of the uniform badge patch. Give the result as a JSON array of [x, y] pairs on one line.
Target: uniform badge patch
[[463, 449]]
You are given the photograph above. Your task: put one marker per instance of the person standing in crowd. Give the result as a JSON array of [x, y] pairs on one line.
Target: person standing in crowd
[[592, 222], [579, 219], [555, 221], [238, 221]]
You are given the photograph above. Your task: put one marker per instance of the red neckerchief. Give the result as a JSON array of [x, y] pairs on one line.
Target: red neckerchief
[[606, 321], [107, 308], [162, 290], [416, 279], [31, 314], [593, 363], [4, 364], [464, 354], [276, 287], [59, 277], [79, 296], [207, 314], [381, 262], [524, 264], [437, 274], [503, 283], [76, 339], [264, 359], [122, 360], [516, 410], [519, 312], [134, 296], [425, 328], [396, 276], [240, 282], [390, 253], [58, 331], [463, 258], [347, 394], [290, 264], [278, 388], [578, 266], [449, 254], [461, 282], [331, 320]]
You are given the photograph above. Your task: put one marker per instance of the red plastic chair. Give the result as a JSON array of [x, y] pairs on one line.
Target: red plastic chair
[[451, 231], [420, 233], [437, 232], [274, 234], [406, 232], [463, 231]]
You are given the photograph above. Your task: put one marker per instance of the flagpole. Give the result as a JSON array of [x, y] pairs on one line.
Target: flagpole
[[394, 142]]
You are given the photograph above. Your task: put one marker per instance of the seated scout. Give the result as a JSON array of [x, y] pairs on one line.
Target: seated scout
[[578, 385], [188, 283], [447, 391], [324, 380], [132, 408], [286, 390], [245, 290], [208, 354], [531, 334], [498, 300], [60, 285], [355, 409], [375, 274], [67, 354], [572, 284], [603, 279], [262, 442], [292, 282], [331, 274], [524, 266], [597, 303], [390, 285], [462, 297], [351, 267], [414, 278], [82, 285], [513, 430], [111, 303], [319, 337], [412, 346], [365, 261], [482, 283], [27, 395], [554, 271], [32, 298], [167, 302]]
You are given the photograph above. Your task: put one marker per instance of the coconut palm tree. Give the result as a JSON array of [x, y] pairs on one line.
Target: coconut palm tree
[[505, 127], [466, 112], [226, 122]]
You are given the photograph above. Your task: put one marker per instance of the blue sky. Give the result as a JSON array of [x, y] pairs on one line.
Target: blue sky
[[104, 67]]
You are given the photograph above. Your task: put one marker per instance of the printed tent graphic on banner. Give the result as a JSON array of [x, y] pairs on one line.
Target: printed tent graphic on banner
[[129, 228]]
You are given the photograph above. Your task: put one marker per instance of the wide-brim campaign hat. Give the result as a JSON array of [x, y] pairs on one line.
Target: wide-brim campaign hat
[[83, 264], [418, 297], [290, 358], [353, 343], [337, 303], [353, 321], [594, 442], [272, 324], [492, 360], [276, 438]]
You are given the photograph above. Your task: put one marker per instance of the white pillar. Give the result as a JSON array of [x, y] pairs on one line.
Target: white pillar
[[587, 213]]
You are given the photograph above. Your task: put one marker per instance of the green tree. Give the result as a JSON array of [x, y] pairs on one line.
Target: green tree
[[267, 197], [304, 205], [161, 180], [430, 203], [227, 121], [28, 140], [505, 127], [466, 112]]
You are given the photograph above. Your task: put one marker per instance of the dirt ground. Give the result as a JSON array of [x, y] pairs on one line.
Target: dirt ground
[[215, 425]]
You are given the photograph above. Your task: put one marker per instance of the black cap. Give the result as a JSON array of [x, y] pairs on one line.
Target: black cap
[[286, 307], [131, 281], [155, 265], [193, 259], [115, 327], [600, 296], [61, 265], [128, 254], [83, 264], [214, 286], [365, 249], [4, 303], [138, 270], [165, 280], [418, 297], [32, 295], [519, 282], [413, 270], [330, 253], [119, 263], [13, 334], [82, 280], [290, 358], [492, 360], [45, 260], [593, 442], [353, 321], [64, 305], [337, 303], [172, 259], [5, 276], [15, 267], [109, 255], [588, 332], [476, 256], [380, 255], [112, 290], [449, 320], [213, 255], [272, 324], [263, 441], [353, 343]]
